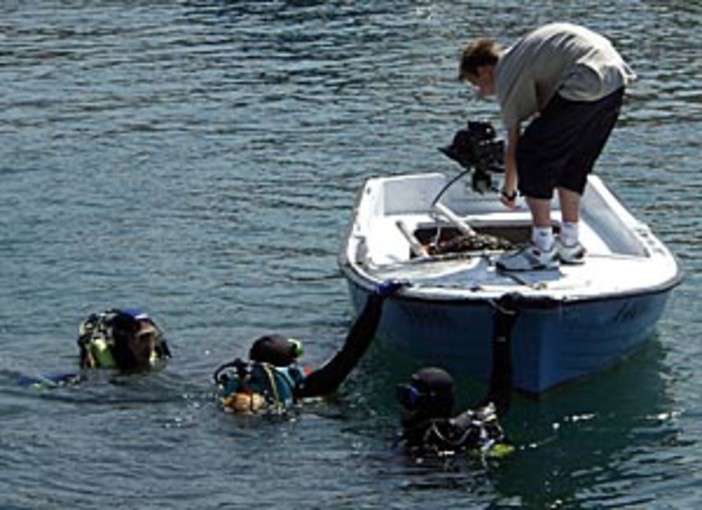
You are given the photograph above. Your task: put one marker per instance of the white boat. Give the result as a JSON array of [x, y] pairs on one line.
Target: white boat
[[572, 321]]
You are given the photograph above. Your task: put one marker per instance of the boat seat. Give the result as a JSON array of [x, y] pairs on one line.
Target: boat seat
[[390, 245]]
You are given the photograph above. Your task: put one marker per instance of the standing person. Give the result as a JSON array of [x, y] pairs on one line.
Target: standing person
[[568, 82]]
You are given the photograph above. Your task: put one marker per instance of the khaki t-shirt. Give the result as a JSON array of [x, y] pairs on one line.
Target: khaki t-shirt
[[562, 58]]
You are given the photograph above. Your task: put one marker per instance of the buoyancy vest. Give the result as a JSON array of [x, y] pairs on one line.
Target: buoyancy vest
[[276, 385]]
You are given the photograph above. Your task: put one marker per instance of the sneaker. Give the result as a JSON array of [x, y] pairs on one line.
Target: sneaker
[[572, 255], [529, 258]]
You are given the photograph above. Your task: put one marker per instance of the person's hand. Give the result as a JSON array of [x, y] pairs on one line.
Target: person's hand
[[509, 198], [390, 287]]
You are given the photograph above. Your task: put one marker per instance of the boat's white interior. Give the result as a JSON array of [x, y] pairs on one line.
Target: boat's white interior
[[603, 230], [395, 213]]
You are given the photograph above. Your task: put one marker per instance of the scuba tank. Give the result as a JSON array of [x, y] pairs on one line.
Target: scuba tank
[[266, 382]]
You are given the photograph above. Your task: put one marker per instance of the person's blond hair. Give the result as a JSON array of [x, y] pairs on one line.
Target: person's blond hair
[[480, 52]]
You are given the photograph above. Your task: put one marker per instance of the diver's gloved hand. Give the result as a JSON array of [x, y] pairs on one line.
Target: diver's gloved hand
[[390, 287], [50, 380]]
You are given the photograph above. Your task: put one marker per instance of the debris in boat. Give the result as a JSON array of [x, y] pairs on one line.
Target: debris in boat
[[477, 242]]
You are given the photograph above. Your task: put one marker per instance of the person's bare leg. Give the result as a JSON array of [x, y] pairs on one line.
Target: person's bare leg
[[570, 205], [540, 211]]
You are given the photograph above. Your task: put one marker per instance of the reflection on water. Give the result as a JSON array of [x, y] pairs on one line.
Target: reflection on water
[[574, 447], [580, 443], [199, 159]]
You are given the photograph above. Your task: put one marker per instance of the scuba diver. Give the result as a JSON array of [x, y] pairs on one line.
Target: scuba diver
[[271, 380], [427, 401], [125, 340]]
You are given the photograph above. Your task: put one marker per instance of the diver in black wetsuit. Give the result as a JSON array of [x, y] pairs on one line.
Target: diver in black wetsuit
[[271, 380], [427, 403], [124, 340]]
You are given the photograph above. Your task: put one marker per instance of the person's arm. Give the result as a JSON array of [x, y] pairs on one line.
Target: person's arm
[[480, 427], [508, 194], [329, 376], [50, 380], [501, 377]]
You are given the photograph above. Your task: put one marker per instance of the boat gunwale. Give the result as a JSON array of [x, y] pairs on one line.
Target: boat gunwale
[[480, 298]]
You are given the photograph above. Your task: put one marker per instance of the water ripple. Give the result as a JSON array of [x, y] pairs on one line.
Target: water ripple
[[200, 158]]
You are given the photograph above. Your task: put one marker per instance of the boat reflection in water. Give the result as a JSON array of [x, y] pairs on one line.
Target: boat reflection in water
[[595, 441]]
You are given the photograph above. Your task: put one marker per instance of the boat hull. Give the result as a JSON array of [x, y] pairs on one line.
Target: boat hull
[[552, 343], [573, 321]]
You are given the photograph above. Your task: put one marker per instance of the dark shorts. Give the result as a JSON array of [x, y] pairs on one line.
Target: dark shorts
[[559, 147]]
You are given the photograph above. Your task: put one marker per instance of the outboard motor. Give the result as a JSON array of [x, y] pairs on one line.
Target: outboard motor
[[477, 147]]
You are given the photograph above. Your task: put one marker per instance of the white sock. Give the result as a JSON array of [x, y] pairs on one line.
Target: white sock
[[569, 233], [542, 237]]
